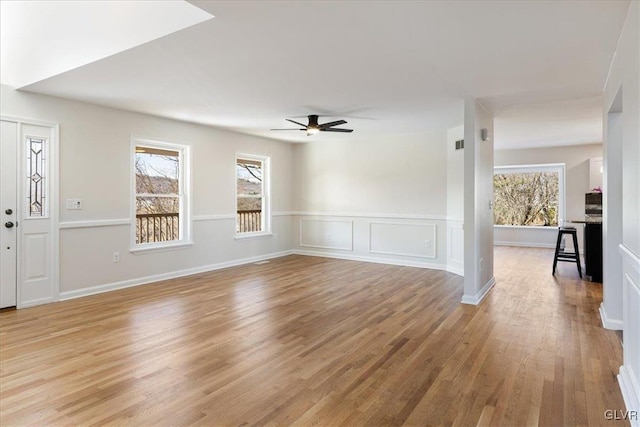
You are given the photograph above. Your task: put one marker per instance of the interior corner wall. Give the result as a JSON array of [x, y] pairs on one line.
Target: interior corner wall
[[373, 199], [95, 167], [478, 198], [455, 201], [611, 309], [576, 160], [624, 81]]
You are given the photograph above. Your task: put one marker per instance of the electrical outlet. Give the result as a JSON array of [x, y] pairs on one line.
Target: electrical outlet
[[427, 244], [481, 263], [116, 257], [327, 237], [275, 235]]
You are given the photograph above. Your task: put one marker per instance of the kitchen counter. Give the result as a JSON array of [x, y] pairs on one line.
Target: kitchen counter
[[586, 220], [592, 246]]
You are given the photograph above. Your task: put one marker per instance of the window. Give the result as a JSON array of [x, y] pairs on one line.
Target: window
[[160, 199], [37, 197], [531, 195], [252, 195]]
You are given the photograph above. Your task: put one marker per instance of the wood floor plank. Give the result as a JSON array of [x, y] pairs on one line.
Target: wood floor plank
[[314, 341]]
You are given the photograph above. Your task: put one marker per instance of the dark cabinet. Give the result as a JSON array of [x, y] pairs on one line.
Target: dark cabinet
[[593, 251]]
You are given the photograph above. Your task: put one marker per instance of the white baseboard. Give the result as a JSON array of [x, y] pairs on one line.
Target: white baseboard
[[631, 395], [455, 270], [34, 302], [390, 261], [608, 323], [166, 276], [477, 298], [524, 244]]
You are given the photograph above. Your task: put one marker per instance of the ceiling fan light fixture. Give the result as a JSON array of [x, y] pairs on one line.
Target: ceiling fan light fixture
[[313, 127]]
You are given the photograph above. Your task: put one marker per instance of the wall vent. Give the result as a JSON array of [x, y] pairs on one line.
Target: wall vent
[[460, 144]]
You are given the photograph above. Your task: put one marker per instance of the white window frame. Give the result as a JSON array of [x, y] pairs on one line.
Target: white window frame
[[184, 192], [45, 175], [559, 168], [266, 195]]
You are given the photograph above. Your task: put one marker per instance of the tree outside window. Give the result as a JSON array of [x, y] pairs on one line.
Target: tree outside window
[[158, 194], [251, 194], [528, 196]]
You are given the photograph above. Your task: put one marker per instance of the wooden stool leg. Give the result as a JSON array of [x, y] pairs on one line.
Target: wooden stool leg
[[575, 245], [555, 257]]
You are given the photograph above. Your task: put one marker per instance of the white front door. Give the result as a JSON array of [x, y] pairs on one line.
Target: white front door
[[37, 264], [8, 214], [28, 224]]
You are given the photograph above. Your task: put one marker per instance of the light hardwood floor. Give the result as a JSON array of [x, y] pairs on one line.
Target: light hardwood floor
[[313, 341]]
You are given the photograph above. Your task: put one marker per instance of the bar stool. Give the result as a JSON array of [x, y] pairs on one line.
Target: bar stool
[[564, 256]]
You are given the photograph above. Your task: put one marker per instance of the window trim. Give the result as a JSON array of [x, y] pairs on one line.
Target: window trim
[[546, 167], [184, 192], [266, 195], [45, 174]]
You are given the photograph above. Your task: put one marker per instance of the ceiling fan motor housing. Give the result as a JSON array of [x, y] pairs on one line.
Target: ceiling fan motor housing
[[313, 121]]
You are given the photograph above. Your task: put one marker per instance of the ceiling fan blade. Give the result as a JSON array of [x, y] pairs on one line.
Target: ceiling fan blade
[[298, 123], [331, 124], [335, 130], [288, 129]]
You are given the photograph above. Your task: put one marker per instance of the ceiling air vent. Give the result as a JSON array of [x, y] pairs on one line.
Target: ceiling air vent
[[460, 144]]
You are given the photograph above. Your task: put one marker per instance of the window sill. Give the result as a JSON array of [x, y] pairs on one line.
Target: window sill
[[151, 248], [244, 236]]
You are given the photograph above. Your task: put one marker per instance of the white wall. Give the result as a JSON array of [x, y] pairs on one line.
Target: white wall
[[373, 199], [94, 167], [612, 229], [402, 175], [577, 172], [478, 197], [455, 174], [455, 201], [622, 147]]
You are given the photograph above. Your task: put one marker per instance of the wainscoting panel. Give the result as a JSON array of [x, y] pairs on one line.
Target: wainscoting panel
[[455, 247], [398, 240], [327, 234], [629, 377], [530, 237], [403, 239], [37, 284], [35, 262]]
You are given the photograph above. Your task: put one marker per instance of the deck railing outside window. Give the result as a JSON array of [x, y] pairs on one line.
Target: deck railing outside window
[[160, 227], [164, 227], [248, 221]]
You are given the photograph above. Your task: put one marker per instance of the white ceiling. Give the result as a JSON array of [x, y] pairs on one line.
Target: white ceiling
[[566, 122], [41, 39], [387, 67]]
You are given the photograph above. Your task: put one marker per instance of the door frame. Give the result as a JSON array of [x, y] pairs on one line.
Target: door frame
[[54, 205]]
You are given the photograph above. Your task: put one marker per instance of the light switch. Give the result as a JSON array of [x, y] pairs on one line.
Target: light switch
[[74, 204]]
